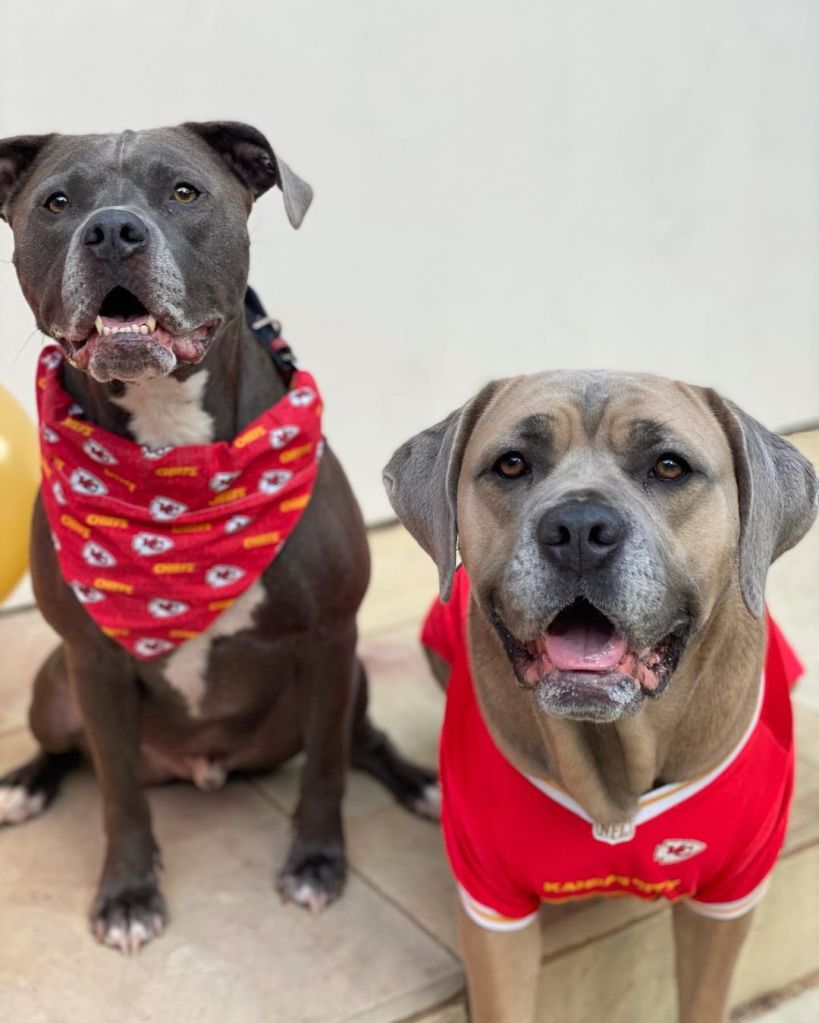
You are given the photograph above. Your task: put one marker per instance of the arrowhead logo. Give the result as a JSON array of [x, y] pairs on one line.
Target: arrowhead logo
[[162, 607], [98, 452], [302, 396], [163, 509], [148, 647], [675, 850], [86, 594], [82, 481], [237, 522], [272, 481], [155, 453], [97, 555], [282, 436], [223, 575], [221, 481], [150, 544]]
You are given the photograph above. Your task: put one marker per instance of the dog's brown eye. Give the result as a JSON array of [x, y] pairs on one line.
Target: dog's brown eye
[[512, 465], [57, 202], [185, 193], [671, 467]]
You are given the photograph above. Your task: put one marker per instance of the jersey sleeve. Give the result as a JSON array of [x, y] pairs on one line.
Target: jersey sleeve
[[488, 896], [743, 882]]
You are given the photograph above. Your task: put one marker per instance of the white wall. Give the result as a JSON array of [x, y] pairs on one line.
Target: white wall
[[499, 186]]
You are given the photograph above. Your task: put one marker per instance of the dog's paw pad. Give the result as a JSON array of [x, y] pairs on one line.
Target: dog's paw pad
[[428, 804], [313, 879], [17, 804], [130, 920]]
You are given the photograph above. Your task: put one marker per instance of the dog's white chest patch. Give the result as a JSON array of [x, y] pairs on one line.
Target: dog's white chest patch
[[166, 411], [185, 670]]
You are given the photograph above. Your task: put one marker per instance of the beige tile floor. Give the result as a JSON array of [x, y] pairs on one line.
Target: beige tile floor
[[386, 952]]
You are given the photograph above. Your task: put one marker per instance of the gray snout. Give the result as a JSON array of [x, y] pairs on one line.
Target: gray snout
[[113, 235], [581, 536]]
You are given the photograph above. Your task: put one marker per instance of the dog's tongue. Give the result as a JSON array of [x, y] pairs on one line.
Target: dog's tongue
[[583, 641]]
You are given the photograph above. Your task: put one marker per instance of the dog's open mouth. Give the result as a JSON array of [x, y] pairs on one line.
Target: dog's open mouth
[[583, 658], [127, 340]]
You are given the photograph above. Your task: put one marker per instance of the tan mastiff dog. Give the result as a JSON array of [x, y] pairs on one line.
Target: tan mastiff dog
[[616, 531]]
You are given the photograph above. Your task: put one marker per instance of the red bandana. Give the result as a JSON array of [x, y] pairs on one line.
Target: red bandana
[[157, 542]]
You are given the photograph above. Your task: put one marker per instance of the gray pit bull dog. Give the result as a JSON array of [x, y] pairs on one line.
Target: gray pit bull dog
[[132, 251], [616, 531]]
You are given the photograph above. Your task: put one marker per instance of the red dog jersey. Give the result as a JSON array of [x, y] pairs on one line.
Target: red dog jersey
[[514, 840]]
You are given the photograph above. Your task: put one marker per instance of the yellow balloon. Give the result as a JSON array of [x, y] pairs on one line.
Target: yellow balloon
[[19, 480]]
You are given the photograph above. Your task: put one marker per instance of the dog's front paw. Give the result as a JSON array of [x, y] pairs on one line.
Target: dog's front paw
[[313, 875], [126, 916]]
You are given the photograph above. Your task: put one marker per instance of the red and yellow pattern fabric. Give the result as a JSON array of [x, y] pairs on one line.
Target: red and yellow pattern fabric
[[156, 543], [514, 841]]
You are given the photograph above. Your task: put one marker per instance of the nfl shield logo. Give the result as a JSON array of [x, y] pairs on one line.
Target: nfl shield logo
[[614, 834]]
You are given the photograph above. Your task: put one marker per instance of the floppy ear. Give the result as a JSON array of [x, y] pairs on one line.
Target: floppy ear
[[778, 496], [421, 480], [17, 156], [251, 158]]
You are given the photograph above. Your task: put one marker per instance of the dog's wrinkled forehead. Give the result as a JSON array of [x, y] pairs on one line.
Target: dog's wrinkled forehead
[[602, 418], [568, 415], [129, 168], [228, 160]]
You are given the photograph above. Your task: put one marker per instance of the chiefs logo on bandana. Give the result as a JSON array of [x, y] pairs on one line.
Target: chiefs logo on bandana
[[222, 480], [155, 453], [283, 435], [96, 555], [157, 542], [148, 545], [163, 607], [95, 450], [237, 522], [274, 481], [163, 509], [84, 482]]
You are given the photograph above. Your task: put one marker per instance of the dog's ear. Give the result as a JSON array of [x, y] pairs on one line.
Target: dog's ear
[[778, 496], [17, 157], [251, 158], [421, 480]]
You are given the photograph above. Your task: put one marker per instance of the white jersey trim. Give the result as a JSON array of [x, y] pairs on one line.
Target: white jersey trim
[[731, 910], [658, 801], [490, 919]]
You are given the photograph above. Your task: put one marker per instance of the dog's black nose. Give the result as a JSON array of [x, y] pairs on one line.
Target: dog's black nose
[[580, 535], [115, 234]]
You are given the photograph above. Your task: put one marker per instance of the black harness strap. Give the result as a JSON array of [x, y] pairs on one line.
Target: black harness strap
[[268, 333]]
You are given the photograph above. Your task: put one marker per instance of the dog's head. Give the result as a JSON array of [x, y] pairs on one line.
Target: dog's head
[[132, 249], [601, 518]]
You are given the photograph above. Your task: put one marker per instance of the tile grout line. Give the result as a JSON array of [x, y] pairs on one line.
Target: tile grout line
[[372, 885]]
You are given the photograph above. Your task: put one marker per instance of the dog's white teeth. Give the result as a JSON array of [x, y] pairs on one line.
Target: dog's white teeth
[[151, 324], [55, 333], [144, 329], [99, 325], [106, 331]]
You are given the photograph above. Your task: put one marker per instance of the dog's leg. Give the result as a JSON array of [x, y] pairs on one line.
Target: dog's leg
[[501, 971], [128, 910], [706, 952], [316, 867], [413, 786], [26, 791]]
